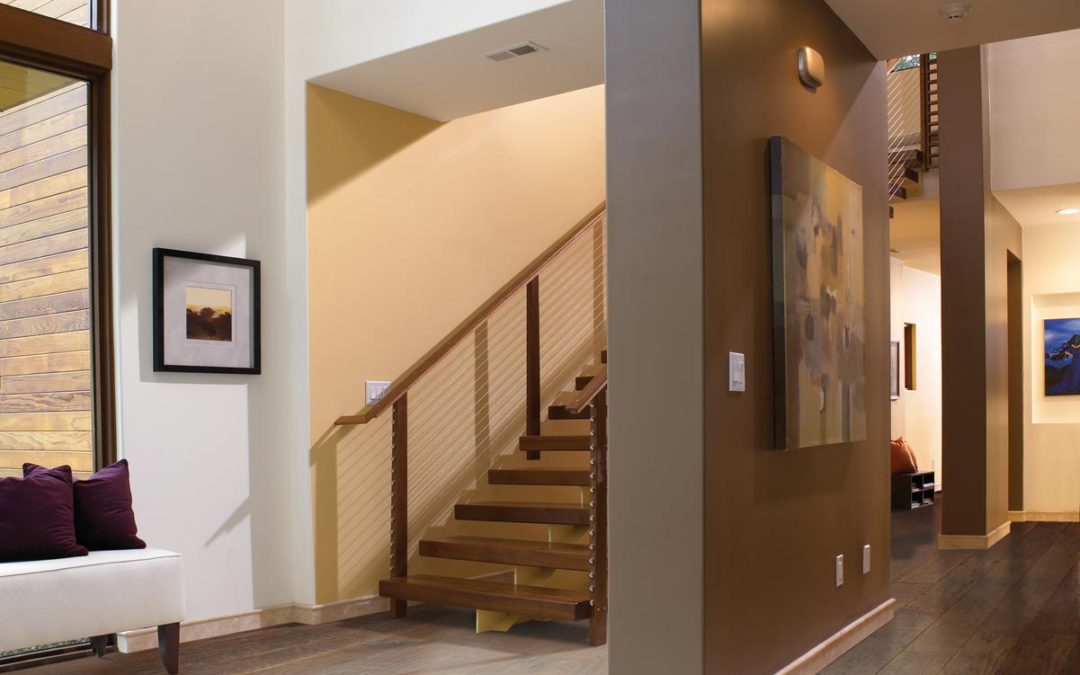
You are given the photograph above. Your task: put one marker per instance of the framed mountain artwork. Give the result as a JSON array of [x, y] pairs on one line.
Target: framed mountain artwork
[[819, 331], [1061, 347], [206, 313]]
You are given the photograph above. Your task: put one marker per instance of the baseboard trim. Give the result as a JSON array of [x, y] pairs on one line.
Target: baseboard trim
[[815, 660], [1045, 516], [268, 617], [976, 542]]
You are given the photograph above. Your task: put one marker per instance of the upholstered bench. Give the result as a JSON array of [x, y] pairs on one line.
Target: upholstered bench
[[48, 601]]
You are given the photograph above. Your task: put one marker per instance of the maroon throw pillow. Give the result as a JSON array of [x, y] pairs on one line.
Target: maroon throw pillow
[[104, 519], [37, 516]]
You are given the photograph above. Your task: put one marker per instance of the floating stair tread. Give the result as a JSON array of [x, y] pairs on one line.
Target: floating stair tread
[[551, 443], [603, 356], [559, 409], [538, 476], [534, 601], [586, 376], [509, 552], [524, 512]]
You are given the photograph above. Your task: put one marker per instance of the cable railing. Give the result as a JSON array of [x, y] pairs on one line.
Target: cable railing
[[447, 419], [912, 119]]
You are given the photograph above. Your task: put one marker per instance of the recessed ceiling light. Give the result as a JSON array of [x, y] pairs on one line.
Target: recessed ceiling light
[[1068, 212]]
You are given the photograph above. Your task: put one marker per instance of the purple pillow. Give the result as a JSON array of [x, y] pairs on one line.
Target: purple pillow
[[104, 519], [37, 516]]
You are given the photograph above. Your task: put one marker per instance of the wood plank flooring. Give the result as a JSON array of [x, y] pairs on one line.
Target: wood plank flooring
[[1012, 610]]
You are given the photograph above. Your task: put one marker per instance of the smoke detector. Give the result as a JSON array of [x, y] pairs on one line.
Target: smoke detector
[[955, 12]]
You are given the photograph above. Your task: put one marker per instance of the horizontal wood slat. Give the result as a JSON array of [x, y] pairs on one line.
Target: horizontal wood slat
[[44, 108], [45, 207], [58, 362], [71, 401], [45, 344], [509, 552], [54, 283], [48, 383], [44, 325], [45, 304], [43, 267], [45, 440], [45, 245], [59, 421], [46, 187], [25, 155], [554, 443], [78, 461], [538, 477], [44, 170], [53, 126], [524, 512]]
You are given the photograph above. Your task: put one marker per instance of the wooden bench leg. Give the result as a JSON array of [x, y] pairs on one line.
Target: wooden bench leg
[[169, 645], [99, 643]]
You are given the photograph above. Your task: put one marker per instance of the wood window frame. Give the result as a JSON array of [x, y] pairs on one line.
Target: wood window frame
[[85, 53]]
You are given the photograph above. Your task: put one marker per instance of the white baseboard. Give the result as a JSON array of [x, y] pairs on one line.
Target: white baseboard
[[816, 659], [268, 617], [977, 542], [1045, 516]]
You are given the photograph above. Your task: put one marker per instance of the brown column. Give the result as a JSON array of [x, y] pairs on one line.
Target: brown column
[[976, 237]]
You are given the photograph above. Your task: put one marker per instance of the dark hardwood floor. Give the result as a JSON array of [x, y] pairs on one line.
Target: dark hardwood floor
[[1014, 609]]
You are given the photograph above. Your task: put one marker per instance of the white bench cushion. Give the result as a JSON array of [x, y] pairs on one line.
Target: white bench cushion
[[45, 601]]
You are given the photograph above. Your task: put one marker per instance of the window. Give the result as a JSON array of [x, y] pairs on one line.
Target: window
[[56, 391]]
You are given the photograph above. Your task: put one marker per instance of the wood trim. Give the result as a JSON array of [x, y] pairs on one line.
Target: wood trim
[[100, 17], [974, 542], [585, 397], [99, 138], [41, 41], [598, 532], [1044, 516], [826, 652], [466, 327]]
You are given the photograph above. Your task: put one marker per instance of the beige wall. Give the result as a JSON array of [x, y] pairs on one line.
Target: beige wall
[[916, 299], [1052, 430], [412, 225]]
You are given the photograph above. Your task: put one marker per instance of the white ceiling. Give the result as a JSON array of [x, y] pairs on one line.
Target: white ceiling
[[452, 78], [891, 28], [1034, 207]]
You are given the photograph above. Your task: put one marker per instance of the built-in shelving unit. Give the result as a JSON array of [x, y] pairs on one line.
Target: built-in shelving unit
[[912, 490]]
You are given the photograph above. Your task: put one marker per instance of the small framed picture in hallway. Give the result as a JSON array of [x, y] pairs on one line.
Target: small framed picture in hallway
[[1061, 345], [894, 371], [206, 313]]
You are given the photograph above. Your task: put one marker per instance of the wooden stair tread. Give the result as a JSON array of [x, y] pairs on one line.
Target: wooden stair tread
[[508, 551], [555, 443], [551, 513], [538, 476], [586, 376], [533, 601], [559, 409]]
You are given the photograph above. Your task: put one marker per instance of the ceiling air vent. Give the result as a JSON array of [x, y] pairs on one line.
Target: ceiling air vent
[[517, 50]]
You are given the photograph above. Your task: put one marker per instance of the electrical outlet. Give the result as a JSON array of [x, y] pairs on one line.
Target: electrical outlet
[[374, 390], [839, 570], [866, 559]]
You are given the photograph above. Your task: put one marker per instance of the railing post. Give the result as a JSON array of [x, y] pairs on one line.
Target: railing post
[[598, 561], [924, 104], [399, 499], [532, 362]]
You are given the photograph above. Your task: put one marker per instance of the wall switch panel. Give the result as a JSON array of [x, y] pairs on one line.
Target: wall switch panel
[[736, 371], [374, 390], [866, 559], [839, 571]]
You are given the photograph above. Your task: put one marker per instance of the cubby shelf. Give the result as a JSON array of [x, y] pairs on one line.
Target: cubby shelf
[[912, 490]]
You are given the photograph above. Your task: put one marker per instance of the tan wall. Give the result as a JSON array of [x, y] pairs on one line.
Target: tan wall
[[413, 224], [1052, 435], [45, 378]]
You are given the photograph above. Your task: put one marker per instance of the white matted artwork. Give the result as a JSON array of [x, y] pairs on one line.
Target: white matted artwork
[[206, 313]]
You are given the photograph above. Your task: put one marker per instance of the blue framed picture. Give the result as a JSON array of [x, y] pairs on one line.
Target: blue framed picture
[[1061, 346]]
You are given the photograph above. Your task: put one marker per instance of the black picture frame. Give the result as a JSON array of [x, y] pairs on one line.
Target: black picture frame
[[159, 256]]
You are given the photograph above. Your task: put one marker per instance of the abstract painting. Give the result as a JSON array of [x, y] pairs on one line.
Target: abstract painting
[[206, 313], [1061, 340], [819, 330]]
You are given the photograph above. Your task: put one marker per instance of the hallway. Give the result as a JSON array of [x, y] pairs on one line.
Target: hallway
[[1013, 609]]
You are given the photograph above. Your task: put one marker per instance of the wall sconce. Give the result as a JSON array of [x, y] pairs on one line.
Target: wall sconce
[[811, 68]]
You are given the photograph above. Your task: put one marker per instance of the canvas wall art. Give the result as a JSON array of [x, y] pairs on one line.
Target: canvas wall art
[[206, 313], [819, 328], [1061, 340]]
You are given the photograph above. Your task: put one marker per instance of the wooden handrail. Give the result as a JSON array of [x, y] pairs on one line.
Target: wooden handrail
[[585, 396], [466, 327]]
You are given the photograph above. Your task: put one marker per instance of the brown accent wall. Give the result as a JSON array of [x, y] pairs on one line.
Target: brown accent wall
[[1016, 383], [977, 234], [774, 521]]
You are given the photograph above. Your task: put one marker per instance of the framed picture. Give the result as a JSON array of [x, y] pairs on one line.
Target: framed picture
[[1061, 347], [206, 313], [819, 331], [894, 371]]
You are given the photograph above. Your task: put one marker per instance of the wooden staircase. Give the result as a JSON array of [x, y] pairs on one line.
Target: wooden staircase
[[585, 551], [910, 158]]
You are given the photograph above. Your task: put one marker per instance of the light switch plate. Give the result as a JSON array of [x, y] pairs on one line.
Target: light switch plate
[[839, 570], [866, 559], [374, 390], [736, 371]]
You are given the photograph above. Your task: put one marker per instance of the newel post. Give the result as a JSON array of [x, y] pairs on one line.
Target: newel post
[[399, 499], [532, 362]]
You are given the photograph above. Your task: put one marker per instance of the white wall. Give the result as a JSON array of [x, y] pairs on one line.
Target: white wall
[[198, 133], [916, 299], [1052, 426], [1034, 108]]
